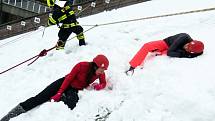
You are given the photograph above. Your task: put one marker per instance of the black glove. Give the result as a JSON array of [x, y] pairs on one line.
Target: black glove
[[131, 69]]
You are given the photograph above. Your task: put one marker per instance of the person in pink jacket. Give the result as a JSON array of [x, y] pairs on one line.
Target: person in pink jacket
[[66, 88], [180, 45]]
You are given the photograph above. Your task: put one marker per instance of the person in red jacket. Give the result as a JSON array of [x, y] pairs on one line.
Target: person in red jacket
[[180, 45], [66, 89]]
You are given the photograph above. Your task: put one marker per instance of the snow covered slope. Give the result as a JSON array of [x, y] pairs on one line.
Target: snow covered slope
[[165, 89]]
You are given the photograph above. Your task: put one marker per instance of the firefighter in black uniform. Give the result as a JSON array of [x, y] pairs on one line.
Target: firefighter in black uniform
[[65, 19]]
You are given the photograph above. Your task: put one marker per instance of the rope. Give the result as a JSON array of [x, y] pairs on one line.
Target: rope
[[38, 15], [19, 38], [16, 21], [153, 17], [79, 12], [44, 52], [83, 32], [41, 54]]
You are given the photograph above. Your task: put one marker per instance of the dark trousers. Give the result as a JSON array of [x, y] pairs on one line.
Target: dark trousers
[[64, 33], [69, 97]]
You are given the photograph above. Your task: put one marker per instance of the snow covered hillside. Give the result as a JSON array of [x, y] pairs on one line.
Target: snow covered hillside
[[164, 89]]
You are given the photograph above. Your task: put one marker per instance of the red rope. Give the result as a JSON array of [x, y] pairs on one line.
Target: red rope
[[41, 54]]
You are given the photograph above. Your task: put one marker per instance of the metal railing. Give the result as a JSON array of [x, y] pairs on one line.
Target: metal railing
[[32, 6]]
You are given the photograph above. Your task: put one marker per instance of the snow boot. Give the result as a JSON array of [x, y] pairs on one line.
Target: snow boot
[[60, 45], [13, 113]]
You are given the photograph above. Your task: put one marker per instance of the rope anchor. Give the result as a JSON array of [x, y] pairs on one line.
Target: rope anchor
[[41, 54], [44, 52]]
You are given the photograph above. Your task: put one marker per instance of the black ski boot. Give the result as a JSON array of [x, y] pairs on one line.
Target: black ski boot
[[13, 113]]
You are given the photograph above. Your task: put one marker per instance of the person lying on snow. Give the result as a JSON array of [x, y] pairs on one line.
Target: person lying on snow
[[180, 45], [66, 89]]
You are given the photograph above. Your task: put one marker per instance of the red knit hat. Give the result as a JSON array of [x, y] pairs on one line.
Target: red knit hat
[[101, 61], [195, 46]]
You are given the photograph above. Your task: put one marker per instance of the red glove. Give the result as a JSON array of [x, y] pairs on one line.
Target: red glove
[[97, 86], [56, 97]]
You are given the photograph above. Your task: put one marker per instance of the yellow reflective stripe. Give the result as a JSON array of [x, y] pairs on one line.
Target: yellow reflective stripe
[[65, 16], [50, 2], [80, 36], [69, 25], [62, 17], [52, 20], [49, 24], [67, 7], [71, 12]]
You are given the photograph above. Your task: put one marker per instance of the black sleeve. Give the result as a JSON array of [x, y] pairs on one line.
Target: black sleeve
[[191, 55], [183, 54], [57, 13], [177, 53], [176, 48], [56, 7]]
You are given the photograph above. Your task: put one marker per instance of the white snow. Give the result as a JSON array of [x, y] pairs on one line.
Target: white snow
[[163, 89]]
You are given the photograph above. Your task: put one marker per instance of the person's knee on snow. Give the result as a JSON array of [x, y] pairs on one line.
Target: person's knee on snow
[[70, 98]]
